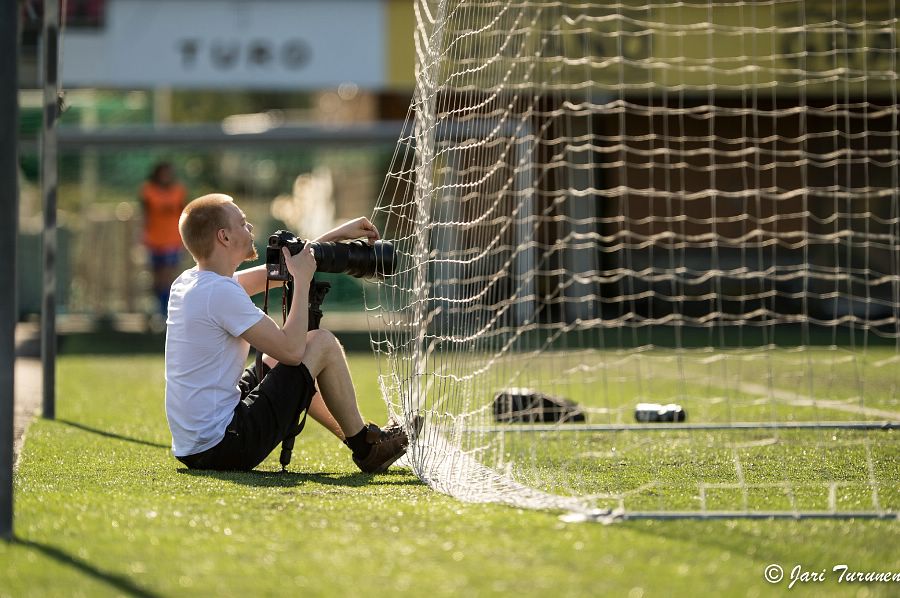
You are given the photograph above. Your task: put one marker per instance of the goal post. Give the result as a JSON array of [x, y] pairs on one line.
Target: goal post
[[605, 205]]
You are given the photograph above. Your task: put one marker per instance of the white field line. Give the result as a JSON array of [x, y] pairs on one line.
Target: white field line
[[799, 400], [793, 398]]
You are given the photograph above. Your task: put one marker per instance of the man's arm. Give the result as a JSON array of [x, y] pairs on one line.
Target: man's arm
[[253, 280], [287, 344], [354, 229]]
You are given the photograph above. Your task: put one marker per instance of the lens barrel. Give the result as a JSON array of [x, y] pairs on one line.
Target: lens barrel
[[356, 258]]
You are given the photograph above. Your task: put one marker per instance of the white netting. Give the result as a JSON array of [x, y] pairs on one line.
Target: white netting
[[660, 202]]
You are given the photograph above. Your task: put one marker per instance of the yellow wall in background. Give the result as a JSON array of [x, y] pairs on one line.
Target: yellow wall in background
[[400, 61]]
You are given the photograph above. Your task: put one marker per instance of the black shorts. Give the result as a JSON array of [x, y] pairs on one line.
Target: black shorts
[[266, 413]]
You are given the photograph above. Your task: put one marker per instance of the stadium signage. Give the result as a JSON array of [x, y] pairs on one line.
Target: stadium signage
[[264, 44], [227, 55]]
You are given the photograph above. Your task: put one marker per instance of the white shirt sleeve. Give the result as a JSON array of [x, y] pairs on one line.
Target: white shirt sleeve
[[231, 308]]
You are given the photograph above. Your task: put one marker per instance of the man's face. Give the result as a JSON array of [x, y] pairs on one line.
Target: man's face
[[243, 233]]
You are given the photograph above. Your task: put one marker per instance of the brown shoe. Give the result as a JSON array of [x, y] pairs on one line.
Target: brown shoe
[[395, 426], [386, 448]]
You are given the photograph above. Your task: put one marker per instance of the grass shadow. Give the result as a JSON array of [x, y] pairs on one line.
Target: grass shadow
[[288, 479], [111, 434], [119, 582]]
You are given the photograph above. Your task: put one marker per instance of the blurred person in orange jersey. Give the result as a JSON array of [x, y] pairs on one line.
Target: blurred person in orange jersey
[[163, 199]]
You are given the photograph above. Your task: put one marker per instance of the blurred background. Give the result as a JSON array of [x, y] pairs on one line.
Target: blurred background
[[292, 107]]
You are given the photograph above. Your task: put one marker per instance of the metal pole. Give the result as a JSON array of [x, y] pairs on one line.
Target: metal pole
[[203, 136], [9, 218], [48, 190]]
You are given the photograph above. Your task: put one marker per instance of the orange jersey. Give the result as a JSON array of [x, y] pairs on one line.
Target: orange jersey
[[162, 208]]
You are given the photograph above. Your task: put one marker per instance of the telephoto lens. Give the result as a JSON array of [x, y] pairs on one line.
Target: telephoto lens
[[356, 258]]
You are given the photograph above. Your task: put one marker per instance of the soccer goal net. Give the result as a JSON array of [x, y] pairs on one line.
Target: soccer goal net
[[648, 256]]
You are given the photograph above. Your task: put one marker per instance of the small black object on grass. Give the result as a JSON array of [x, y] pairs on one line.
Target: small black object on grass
[[654, 412], [529, 406]]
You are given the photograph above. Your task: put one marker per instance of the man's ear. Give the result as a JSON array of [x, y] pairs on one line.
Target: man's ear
[[222, 236]]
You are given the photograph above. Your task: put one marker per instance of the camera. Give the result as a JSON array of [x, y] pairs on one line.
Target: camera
[[356, 258]]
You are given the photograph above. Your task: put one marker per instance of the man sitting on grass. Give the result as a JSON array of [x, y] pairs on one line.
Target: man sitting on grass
[[220, 415]]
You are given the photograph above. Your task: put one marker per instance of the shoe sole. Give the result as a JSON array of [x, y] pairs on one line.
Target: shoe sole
[[385, 465]]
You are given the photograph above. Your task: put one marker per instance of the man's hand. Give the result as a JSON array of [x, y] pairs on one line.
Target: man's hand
[[354, 229], [288, 344], [301, 266]]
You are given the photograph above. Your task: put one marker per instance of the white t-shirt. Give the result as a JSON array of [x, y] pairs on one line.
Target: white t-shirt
[[205, 357]]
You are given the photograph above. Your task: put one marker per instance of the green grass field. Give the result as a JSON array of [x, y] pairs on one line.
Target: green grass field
[[103, 509], [749, 469]]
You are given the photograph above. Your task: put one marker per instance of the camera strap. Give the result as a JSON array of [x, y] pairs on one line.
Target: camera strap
[[287, 445], [258, 360], [286, 293]]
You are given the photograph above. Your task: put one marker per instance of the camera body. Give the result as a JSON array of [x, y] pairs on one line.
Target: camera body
[[276, 269], [356, 258]]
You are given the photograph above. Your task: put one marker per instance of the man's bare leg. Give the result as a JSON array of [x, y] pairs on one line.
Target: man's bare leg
[[325, 360], [373, 450], [319, 412]]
